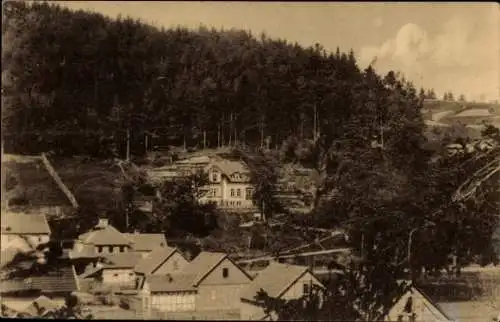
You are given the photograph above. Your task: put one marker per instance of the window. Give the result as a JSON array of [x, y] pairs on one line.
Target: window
[[110, 248], [238, 203], [122, 249], [306, 289], [238, 192], [115, 275], [215, 176], [99, 249], [175, 265], [225, 272], [248, 194], [232, 192]]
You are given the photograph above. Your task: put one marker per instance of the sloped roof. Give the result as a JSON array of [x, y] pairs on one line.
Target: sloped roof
[[56, 280], [20, 223], [122, 260], [34, 182], [146, 242], [274, 280], [44, 303], [228, 167], [171, 283], [108, 235], [203, 264], [153, 260], [86, 251], [433, 307]]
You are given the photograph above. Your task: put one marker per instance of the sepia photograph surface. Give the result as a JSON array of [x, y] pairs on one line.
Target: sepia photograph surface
[[277, 161]]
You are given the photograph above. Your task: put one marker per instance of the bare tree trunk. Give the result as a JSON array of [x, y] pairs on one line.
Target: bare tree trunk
[[128, 145]]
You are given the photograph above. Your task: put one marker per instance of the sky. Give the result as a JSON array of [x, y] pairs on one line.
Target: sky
[[446, 46]]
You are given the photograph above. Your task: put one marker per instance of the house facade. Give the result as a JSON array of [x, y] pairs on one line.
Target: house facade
[[229, 184], [23, 232], [211, 282], [280, 281]]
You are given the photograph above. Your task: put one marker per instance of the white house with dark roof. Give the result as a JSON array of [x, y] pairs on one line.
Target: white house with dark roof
[[23, 232], [229, 184], [211, 282], [279, 281]]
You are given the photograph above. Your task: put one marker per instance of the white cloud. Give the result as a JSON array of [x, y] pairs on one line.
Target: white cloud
[[463, 56]]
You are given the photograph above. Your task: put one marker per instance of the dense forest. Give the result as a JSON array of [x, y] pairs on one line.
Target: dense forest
[[80, 83]]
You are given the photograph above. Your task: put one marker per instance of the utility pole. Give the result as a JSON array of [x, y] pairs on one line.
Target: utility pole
[[204, 139]]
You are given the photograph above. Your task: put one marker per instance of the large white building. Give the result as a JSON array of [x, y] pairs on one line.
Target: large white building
[[229, 184]]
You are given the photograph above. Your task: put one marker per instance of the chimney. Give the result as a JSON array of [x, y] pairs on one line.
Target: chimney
[[103, 222]]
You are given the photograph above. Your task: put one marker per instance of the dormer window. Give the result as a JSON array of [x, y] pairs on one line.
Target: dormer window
[[215, 176], [99, 249]]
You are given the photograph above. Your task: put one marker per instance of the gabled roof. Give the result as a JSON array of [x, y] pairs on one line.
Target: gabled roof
[[122, 260], [19, 223], [228, 167], [56, 280], [205, 263], [45, 304], [171, 283], [275, 280], [108, 235], [146, 242], [153, 260], [433, 307]]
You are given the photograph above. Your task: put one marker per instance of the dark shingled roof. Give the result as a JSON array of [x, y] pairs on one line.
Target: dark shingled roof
[[60, 280]]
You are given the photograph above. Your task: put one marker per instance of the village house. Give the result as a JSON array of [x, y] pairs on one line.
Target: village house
[[279, 281], [108, 255], [115, 269], [229, 184], [23, 232], [211, 282], [56, 284], [415, 306]]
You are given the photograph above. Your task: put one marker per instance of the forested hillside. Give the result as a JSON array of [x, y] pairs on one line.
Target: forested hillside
[[75, 82]]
